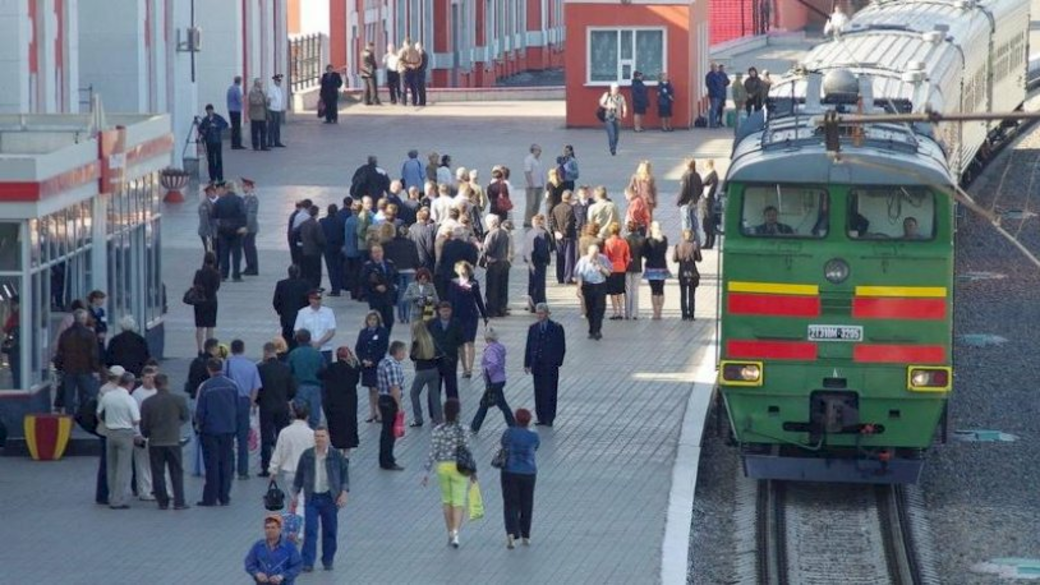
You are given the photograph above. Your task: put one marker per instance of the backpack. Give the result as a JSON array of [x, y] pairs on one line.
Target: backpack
[[700, 122]]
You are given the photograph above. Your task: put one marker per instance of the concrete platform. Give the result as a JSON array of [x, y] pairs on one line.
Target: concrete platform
[[616, 475]]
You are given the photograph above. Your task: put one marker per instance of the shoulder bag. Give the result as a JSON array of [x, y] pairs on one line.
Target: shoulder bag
[[464, 461], [194, 295], [502, 456], [274, 499]]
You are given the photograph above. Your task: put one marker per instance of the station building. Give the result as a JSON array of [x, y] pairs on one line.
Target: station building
[[471, 43], [80, 202]]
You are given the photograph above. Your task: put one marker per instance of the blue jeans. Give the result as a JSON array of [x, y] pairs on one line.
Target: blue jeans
[[87, 386], [311, 396], [242, 433], [613, 129], [404, 308], [715, 112], [320, 506]]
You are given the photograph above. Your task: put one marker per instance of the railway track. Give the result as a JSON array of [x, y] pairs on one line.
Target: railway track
[[839, 533]]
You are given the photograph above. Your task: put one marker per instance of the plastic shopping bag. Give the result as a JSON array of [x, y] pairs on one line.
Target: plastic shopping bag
[[476, 502], [399, 424]]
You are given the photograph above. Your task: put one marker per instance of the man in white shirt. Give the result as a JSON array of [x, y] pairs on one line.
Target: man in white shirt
[[534, 176], [276, 112], [121, 416], [441, 207], [292, 441], [320, 321], [393, 75], [142, 458]]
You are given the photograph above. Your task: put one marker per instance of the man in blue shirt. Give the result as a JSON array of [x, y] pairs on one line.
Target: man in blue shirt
[[216, 415], [211, 129], [717, 81], [273, 559], [234, 109], [243, 372]]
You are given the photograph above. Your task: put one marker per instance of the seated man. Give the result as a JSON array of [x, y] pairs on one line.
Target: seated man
[[910, 229], [772, 227]]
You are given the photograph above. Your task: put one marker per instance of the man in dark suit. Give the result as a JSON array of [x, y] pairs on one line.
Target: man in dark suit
[[379, 278], [290, 295], [312, 246], [447, 338], [457, 247], [546, 347], [424, 233], [537, 254], [230, 213], [277, 388]]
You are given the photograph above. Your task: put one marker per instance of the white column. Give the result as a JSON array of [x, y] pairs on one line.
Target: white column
[[221, 57], [314, 16], [71, 67], [15, 32]]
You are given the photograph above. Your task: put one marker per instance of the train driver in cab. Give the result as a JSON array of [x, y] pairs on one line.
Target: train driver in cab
[[910, 229], [772, 227]]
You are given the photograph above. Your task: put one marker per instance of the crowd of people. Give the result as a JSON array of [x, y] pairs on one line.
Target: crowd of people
[[413, 250]]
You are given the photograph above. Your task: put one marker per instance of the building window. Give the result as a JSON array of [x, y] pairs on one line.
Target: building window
[[615, 53]]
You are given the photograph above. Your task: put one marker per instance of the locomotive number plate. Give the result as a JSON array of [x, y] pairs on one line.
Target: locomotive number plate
[[835, 333]]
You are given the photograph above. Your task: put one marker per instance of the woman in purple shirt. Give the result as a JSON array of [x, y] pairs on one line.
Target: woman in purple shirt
[[493, 364]]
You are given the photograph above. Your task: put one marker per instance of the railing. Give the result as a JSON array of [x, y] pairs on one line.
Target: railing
[[305, 61]]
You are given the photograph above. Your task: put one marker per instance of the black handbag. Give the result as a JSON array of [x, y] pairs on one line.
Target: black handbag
[[274, 499], [500, 458], [464, 461], [601, 114], [194, 296]]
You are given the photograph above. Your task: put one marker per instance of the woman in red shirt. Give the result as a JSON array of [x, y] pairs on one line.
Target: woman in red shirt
[[638, 212], [615, 248]]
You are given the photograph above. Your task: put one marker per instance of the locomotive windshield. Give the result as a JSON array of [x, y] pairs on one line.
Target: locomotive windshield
[[785, 211], [891, 213]]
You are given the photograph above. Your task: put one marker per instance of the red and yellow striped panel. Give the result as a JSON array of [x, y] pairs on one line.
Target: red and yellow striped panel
[[773, 299], [774, 350], [899, 354], [900, 302], [47, 435]]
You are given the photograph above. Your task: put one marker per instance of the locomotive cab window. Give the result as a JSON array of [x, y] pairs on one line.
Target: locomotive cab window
[[891, 213], [785, 211]]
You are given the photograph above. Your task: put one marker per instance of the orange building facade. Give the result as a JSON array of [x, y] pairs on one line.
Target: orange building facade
[[607, 40], [471, 43]]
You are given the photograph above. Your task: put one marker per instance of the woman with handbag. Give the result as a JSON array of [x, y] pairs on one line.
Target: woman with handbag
[[517, 462], [205, 284], [493, 364], [687, 254], [447, 441], [421, 296]]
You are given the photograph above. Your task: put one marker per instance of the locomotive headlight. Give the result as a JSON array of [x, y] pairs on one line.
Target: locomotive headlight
[[836, 270], [741, 373], [929, 378]]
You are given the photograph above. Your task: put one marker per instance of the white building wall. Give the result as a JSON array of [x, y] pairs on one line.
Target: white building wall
[[112, 55], [314, 17], [14, 56]]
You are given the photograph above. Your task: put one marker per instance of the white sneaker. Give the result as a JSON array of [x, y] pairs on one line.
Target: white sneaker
[[455, 539], [509, 542], [526, 541]]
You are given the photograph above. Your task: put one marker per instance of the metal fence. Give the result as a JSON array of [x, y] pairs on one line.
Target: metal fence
[[305, 61]]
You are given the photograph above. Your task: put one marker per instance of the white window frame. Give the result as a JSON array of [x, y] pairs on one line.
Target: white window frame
[[617, 29]]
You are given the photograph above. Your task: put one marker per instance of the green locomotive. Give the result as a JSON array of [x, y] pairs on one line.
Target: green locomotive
[[836, 297]]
